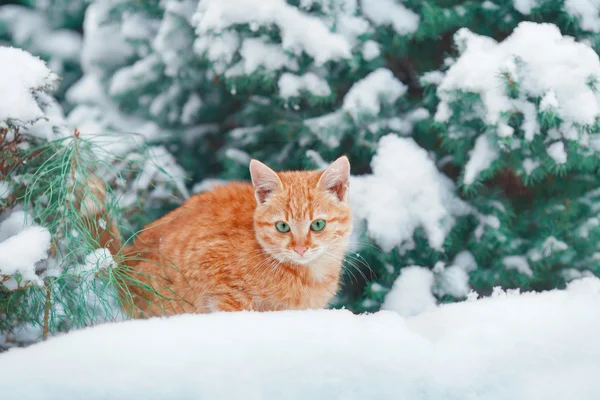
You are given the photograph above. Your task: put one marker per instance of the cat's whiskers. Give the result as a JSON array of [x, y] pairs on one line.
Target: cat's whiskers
[[351, 262]]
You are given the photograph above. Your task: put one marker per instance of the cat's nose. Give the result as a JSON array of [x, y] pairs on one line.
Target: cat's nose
[[300, 250]]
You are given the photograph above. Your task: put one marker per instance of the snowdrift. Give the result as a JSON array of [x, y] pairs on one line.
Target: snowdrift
[[510, 346]]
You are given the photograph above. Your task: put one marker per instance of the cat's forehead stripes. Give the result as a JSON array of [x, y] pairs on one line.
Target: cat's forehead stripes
[[300, 192]]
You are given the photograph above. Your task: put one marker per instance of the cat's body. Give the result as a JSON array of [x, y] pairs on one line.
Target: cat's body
[[223, 249]]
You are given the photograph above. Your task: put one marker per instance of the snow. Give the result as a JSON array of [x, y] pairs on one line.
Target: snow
[[540, 60], [465, 260], [97, 116], [518, 263], [328, 127], [509, 346], [191, 108], [529, 165], [557, 152], [172, 39], [552, 245], [5, 190], [22, 245], [291, 85], [524, 6], [391, 12], [411, 293], [220, 49], [405, 191], [484, 153], [549, 101], [452, 281], [104, 46], [136, 76], [299, 31], [160, 167], [257, 52], [22, 74], [370, 50], [587, 12], [29, 28], [366, 96], [94, 262]]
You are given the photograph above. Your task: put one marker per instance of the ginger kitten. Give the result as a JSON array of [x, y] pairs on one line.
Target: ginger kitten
[[275, 244]]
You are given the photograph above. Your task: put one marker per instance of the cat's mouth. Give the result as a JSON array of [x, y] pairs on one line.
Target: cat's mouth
[[308, 257]]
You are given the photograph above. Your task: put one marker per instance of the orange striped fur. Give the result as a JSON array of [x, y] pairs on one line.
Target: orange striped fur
[[221, 251]]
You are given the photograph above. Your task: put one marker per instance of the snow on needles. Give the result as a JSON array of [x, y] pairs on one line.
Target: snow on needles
[[22, 74], [586, 11], [536, 56], [299, 31], [22, 246], [405, 192], [291, 85], [366, 96], [382, 12], [412, 292], [510, 346]]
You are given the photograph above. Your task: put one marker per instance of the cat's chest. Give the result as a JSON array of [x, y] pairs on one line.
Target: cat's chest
[[298, 294]]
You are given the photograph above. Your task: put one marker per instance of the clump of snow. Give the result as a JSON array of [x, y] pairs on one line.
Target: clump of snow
[[553, 245], [328, 127], [432, 78], [22, 75], [367, 95], [411, 293], [191, 108], [587, 11], [557, 152], [172, 39], [219, 49], [405, 191], [29, 28], [390, 12], [465, 260], [291, 85], [452, 280], [370, 50], [549, 101], [299, 31], [127, 79], [524, 6], [257, 52], [538, 61], [518, 263], [484, 153], [529, 165], [104, 44], [95, 261], [22, 246], [510, 346]]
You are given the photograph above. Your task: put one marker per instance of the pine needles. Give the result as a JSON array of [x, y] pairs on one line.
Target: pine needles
[[58, 186]]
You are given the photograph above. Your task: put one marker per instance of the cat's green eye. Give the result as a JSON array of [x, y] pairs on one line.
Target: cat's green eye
[[318, 225], [282, 227]]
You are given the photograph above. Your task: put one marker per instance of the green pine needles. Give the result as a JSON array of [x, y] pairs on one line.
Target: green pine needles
[[80, 283]]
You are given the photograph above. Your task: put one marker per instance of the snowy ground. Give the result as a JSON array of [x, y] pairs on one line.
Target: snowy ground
[[529, 346]]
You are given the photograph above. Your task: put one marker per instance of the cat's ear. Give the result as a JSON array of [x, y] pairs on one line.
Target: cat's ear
[[336, 178], [265, 181]]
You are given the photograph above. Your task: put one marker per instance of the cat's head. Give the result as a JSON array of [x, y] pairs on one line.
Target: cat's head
[[302, 215]]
